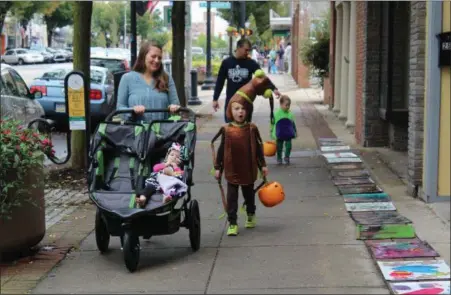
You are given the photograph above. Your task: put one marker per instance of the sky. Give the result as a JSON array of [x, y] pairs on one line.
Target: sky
[[220, 24]]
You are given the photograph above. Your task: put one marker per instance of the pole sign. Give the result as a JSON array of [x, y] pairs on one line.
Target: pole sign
[[76, 101], [219, 5], [167, 15]]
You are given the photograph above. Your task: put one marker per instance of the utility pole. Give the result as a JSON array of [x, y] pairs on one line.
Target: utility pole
[[242, 15], [125, 24], [209, 82], [133, 45]]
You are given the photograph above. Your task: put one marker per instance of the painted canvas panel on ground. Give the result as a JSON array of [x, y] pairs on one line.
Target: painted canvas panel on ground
[[379, 217], [385, 231], [366, 198], [339, 155], [359, 189], [414, 270], [335, 148], [343, 160], [394, 250], [424, 287], [374, 206], [352, 181], [346, 166], [360, 173]]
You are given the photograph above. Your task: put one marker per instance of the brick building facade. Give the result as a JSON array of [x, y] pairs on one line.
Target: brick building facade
[[388, 60]]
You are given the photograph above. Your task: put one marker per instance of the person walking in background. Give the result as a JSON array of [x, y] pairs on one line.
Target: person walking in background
[[280, 62], [288, 57], [237, 70]]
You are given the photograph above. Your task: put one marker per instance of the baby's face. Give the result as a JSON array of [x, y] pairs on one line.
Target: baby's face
[[174, 156]]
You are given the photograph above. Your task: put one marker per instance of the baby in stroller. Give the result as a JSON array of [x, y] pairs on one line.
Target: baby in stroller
[[165, 178]]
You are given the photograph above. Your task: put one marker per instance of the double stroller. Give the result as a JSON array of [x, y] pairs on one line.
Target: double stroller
[[121, 157]]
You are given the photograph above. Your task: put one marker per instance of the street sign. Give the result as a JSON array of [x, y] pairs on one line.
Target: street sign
[[76, 102], [168, 14], [220, 5]]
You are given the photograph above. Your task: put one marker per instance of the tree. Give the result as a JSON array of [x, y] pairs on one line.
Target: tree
[[105, 17], [216, 42], [178, 48], [82, 43], [59, 17], [5, 6], [315, 50]]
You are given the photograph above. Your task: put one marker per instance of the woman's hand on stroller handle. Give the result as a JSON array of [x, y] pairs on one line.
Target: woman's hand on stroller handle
[[173, 108]]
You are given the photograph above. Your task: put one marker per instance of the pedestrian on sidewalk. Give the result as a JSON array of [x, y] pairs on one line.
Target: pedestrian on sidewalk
[[148, 86], [288, 57], [284, 129], [241, 139], [238, 71]]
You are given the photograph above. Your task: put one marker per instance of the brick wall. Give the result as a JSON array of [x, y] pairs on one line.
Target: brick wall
[[375, 131], [360, 70], [416, 94]]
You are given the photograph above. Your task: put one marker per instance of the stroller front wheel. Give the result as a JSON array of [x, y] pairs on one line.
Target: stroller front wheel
[[102, 234], [131, 251], [194, 225]]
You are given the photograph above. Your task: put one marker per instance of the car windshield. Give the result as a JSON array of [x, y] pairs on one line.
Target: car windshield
[[113, 65], [60, 74]]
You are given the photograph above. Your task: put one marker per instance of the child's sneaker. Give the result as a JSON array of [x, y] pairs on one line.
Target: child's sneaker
[[287, 160], [251, 221], [279, 161], [232, 230]]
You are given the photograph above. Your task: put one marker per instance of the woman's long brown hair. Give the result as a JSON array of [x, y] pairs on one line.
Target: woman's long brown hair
[[160, 76]]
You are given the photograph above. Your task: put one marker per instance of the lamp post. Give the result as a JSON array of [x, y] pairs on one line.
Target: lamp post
[[209, 82], [133, 45]]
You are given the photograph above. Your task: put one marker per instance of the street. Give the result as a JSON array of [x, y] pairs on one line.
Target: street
[[31, 72]]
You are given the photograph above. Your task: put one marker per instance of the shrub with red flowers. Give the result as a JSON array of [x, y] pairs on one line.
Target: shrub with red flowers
[[22, 152]]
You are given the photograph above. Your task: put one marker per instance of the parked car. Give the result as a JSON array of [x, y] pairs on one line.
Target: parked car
[[113, 63], [57, 56], [21, 56], [48, 57], [51, 84], [17, 102]]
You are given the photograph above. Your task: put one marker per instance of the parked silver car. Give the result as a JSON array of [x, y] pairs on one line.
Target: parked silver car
[[21, 56], [16, 100]]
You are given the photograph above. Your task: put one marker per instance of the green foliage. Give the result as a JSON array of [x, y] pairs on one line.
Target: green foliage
[[259, 9], [60, 16], [216, 42], [315, 50], [200, 65], [22, 152]]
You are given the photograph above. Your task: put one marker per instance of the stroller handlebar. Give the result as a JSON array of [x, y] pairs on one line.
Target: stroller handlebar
[[132, 112]]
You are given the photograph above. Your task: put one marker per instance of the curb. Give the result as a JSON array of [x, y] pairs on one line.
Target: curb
[[24, 274]]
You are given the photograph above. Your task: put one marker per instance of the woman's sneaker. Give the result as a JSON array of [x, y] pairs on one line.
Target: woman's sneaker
[[232, 230], [251, 221]]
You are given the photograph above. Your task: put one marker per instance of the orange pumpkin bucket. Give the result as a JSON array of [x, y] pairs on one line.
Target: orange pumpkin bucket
[[269, 148], [271, 194]]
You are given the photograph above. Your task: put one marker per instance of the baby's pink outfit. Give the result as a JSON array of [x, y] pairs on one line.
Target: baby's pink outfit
[[161, 166]]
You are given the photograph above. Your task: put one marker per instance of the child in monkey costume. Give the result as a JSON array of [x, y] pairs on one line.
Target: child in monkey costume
[[241, 139]]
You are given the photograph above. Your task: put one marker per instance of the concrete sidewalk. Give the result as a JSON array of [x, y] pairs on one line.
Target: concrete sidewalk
[[306, 245]]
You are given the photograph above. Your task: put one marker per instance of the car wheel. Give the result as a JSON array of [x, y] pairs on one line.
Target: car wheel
[[20, 62]]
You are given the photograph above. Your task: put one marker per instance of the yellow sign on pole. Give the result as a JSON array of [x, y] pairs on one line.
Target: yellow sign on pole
[[76, 103]]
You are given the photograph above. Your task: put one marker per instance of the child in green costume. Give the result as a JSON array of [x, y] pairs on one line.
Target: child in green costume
[[284, 129]]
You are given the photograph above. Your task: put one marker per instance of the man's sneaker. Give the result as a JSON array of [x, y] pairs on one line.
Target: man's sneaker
[[232, 230], [287, 160], [279, 161], [251, 221]]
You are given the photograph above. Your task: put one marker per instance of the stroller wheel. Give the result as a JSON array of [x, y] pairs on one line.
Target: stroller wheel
[[102, 234], [194, 225], [131, 251]]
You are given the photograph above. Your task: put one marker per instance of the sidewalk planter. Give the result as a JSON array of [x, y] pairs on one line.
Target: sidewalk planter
[[22, 206], [24, 226]]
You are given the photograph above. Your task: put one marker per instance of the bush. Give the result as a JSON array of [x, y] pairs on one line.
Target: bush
[[315, 50], [22, 151], [200, 66]]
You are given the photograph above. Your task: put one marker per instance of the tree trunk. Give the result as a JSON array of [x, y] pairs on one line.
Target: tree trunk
[[178, 48], [81, 45], [49, 36], [4, 7]]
